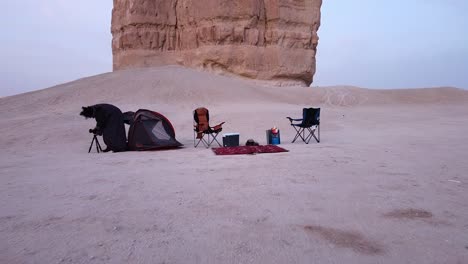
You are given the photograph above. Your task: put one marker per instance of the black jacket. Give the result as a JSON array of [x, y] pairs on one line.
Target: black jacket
[[110, 122]]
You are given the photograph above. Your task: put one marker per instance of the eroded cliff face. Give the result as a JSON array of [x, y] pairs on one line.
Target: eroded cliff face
[[261, 39]]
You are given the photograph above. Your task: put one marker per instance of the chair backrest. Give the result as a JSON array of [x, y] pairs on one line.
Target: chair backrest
[[311, 117], [201, 116]]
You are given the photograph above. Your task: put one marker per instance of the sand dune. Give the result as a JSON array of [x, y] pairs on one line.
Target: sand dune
[[387, 184], [177, 85]]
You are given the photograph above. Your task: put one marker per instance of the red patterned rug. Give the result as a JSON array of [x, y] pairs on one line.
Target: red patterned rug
[[248, 150]]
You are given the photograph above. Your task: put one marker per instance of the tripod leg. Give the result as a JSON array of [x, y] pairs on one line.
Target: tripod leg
[[91, 146], [98, 146]]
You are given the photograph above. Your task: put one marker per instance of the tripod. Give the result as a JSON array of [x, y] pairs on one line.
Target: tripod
[[98, 146]]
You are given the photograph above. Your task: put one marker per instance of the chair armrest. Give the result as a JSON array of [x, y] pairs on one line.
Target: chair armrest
[[218, 126], [293, 119]]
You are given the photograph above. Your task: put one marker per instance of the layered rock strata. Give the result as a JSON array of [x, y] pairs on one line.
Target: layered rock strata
[[260, 39]]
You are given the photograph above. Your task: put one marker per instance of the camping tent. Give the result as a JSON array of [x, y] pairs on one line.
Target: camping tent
[[150, 131]]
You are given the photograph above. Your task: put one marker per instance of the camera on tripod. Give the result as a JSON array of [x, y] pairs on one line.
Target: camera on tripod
[[95, 133]]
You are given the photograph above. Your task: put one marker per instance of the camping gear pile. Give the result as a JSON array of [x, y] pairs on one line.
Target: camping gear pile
[[151, 130]]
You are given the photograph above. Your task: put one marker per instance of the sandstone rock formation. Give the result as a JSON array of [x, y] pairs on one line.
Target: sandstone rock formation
[[260, 39]]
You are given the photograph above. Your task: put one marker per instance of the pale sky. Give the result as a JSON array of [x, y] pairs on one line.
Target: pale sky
[[393, 44], [366, 43]]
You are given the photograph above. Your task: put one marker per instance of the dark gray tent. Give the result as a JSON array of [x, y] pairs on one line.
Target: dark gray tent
[[150, 131]]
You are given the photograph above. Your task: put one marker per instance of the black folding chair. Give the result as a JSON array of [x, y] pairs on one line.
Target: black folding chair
[[202, 128], [306, 126]]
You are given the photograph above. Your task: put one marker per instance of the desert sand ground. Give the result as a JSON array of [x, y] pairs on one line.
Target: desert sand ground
[[387, 184]]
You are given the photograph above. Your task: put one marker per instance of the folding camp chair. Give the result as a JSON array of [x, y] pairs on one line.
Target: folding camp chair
[[309, 122], [202, 128]]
